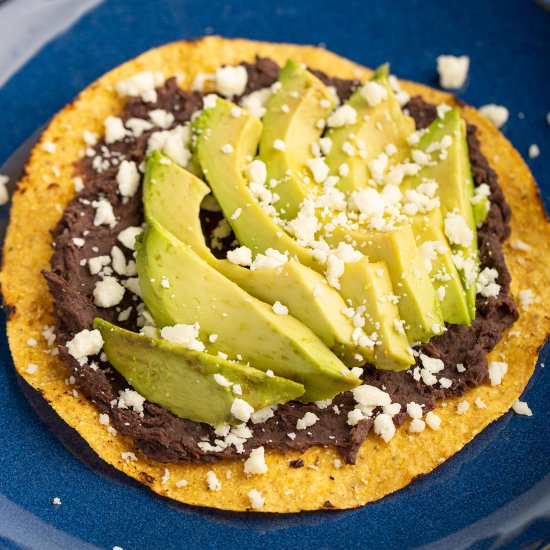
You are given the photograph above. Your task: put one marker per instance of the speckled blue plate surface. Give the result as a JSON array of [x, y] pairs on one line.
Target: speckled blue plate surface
[[495, 493]]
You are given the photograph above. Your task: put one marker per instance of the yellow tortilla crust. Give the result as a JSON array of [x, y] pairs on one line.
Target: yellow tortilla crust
[[381, 468]]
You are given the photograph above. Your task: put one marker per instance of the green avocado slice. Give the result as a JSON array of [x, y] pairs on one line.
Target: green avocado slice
[[376, 126], [172, 196], [215, 128], [417, 302], [438, 260], [190, 384], [290, 128], [178, 286], [452, 172], [366, 284]]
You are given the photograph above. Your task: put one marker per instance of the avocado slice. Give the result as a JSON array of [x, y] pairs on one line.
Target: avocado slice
[[433, 245], [376, 126], [172, 197], [417, 302], [259, 231], [215, 128], [184, 382], [365, 284], [453, 174], [292, 117], [178, 286]]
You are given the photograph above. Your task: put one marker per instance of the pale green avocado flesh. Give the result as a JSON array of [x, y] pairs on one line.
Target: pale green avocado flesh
[[292, 119], [376, 126], [413, 290], [172, 196], [455, 188], [190, 384], [224, 174], [178, 286]]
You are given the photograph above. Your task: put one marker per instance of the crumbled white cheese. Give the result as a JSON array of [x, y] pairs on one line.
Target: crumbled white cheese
[[256, 102], [231, 81], [433, 420], [255, 464], [85, 343], [114, 129], [308, 420], [374, 93], [371, 396], [227, 149], [49, 146], [319, 169], [497, 370], [453, 71], [414, 410], [479, 403], [161, 118], [518, 244], [279, 308], [257, 172], [457, 230], [256, 499], [262, 415], [533, 151], [384, 427], [212, 481], [137, 126], [462, 407], [96, 264], [31, 368], [108, 292], [173, 143], [130, 399], [417, 425], [342, 116], [240, 256], [56, 501], [129, 455], [186, 335], [4, 195], [141, 84], [521, 407], [496, 114], [127, 178], [526, 298], [104, 214], [241, 410], [486, 284], [128, 236], [271, 259]]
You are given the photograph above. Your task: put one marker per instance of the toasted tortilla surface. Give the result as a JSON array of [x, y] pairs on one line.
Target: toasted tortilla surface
[[381, 468]]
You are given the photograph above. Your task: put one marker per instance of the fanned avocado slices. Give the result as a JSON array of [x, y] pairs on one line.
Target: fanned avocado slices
[[254, 227], [379, 123], [449, 166], [191, 384], [290, 129], [172, 197], [179, 287], [413, 290]]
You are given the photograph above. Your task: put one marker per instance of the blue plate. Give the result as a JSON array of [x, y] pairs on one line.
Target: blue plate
[[493, 494]]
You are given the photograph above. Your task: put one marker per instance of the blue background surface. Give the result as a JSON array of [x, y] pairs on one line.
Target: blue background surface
[[495, 493]]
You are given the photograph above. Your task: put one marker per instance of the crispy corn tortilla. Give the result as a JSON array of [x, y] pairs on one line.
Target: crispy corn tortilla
[[381, 468]]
